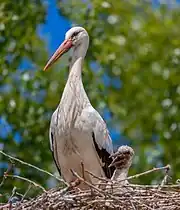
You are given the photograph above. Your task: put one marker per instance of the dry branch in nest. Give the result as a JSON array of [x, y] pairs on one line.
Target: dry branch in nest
[[116, 193]]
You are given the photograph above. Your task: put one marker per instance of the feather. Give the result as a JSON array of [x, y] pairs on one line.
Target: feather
[[53, 154], [105, 158]]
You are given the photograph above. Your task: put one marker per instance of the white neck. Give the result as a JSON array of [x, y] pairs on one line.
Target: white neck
[[120, 174], [75, 77], [79, 51]]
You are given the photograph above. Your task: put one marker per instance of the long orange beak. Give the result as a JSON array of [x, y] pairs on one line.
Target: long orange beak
[[64, 47]]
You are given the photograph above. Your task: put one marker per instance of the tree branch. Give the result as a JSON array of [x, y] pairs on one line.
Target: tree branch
[[35, 167], [27, 180]]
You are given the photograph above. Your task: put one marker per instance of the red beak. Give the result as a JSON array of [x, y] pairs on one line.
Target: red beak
[[64, 47]]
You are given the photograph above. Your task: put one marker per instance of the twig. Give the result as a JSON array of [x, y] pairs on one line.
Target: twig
[[2, 182], [10, 199], [143, 204], [146, 172], [178, 181], [32, 166], [87, 183], [177, 186], [100, 178], [13, 193], [27, 180], [29, 187], [19, 194], [5, 206], [10, 167], [166, 179], [132, 204]]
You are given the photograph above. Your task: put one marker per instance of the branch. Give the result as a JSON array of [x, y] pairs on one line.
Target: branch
[[10, 167], [2, 182], [23, 196], [32, 166], [100, 178], [173, 186], [146, 172], [27, 180]]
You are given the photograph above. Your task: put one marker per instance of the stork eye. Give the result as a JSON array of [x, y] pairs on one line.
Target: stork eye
[[75, 34]]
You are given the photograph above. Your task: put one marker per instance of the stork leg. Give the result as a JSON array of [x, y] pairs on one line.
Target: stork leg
[[82, 167]]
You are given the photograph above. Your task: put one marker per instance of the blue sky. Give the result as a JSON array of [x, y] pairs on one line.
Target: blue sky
[[54, 29]]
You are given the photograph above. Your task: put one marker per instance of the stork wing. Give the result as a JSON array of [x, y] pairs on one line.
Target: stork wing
[[52, 136], [101, 138]]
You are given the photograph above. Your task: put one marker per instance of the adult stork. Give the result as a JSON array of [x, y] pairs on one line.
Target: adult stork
[[77, 131]]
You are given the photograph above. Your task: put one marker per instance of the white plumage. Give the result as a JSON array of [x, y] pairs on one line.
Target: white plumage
[[77, 131]]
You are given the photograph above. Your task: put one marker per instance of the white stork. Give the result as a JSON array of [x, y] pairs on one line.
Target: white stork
[[77, 131]]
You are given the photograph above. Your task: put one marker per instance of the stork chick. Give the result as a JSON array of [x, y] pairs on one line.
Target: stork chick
[[122, 162]]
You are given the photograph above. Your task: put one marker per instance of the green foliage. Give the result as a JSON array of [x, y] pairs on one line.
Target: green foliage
[[131, 43], [18, 41]]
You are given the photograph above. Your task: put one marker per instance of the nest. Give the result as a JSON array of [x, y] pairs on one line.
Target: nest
[[113, 197], [116, 193]]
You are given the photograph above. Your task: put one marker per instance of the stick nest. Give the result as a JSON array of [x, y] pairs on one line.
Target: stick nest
[[135, 197], [116, 193]]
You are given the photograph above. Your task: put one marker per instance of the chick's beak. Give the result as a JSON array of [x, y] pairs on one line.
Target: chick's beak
[[64, 47]]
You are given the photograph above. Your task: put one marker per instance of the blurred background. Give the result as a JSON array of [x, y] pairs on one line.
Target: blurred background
[[131, 74]]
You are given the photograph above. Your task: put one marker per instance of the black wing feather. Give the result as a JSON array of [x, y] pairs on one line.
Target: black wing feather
[[52, 140], [106, 159]]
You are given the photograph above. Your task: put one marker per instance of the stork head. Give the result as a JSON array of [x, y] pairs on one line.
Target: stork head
[[73, 38]]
